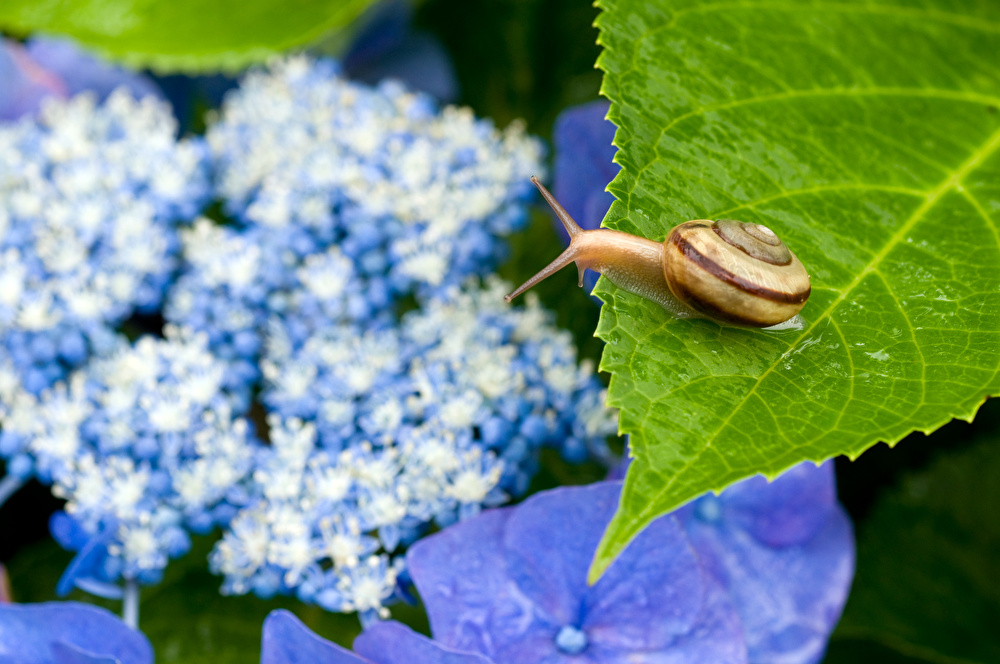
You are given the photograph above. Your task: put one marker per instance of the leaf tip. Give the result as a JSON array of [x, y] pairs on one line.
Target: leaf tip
[[598, 566]]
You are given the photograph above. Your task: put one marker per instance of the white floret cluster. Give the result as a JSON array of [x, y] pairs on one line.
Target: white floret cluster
[[144, 446], [376, 436], [88, 193]]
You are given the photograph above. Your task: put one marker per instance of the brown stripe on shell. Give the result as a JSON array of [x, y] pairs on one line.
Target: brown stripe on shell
[[735, 280], [725, 316]]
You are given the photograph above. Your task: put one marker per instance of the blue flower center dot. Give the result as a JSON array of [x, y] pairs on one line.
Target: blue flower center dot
[[709, 509], [571, 640]]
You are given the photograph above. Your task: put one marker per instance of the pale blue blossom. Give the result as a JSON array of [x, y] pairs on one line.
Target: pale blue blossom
[[377, 434], [144, 445], [300, 149], [504, 378], [88, 194], [353, 197], [321, 516]]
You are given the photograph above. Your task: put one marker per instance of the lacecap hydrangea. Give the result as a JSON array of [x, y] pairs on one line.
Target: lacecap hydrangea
[[375, 435], [88, 196], [145, 445], [414, 198]]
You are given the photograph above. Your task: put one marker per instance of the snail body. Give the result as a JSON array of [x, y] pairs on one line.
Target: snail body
[[731, 271]]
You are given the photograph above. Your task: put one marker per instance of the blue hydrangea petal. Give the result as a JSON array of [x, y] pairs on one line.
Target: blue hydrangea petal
[[786, 511], [461, 573], [82, 71], [64, 653], [785, 552], [583, 163], [509, 582], [419, 60], [23, 82], [89, 560], [550, 541], [583, 168], [789, 598], [394, 643], [286, 640], [29, 632]]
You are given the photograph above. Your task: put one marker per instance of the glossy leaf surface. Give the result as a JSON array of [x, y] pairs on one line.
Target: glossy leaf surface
[[867, 136], [187, 35]]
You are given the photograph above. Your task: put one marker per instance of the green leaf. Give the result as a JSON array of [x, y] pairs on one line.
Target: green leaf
[[188, 35], [867, 135], [928, 564]]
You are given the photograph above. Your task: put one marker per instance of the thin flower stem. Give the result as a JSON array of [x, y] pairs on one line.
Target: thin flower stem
[[8, 486], [130, 604]]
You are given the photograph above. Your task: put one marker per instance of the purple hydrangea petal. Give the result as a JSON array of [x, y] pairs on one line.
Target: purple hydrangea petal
[[394, 643], [23, 82], [785, 553], [511, 584], [652, 593], [64, 653], [655, 598], [550, 541], [583, 163], [584, 167], [88, 562], [786, 511], [461, 575], [29, 634], [717, 639], [82, 71], [286, 640]]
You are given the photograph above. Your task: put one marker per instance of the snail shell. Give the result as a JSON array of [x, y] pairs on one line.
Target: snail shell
[[731, 271]]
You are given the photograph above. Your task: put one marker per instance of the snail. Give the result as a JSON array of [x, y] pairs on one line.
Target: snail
[[731, 271]]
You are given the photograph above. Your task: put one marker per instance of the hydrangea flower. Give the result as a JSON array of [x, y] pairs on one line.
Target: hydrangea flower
[[81, 71], [324, 159], [511, 585], [87, 194], [582, 141], [286, 640], [757, 574], [236, 280], [68, 633], [415, 198], [468, 361], [784, 550], [47, 67], [224, 292], [144, 445], [374, 435], [322, 516], [584, 162], [23, 82]]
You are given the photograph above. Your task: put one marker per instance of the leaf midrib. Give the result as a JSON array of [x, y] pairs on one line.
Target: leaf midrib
[[988, 147]]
